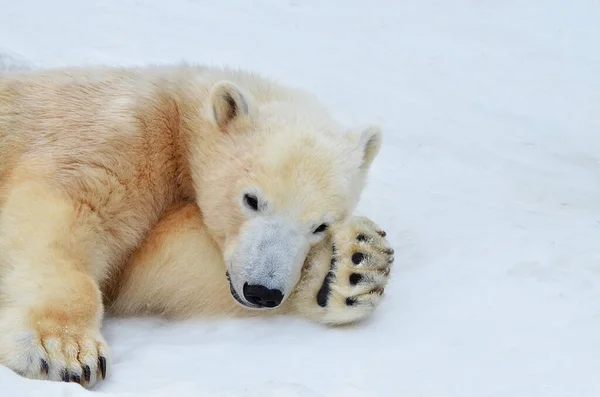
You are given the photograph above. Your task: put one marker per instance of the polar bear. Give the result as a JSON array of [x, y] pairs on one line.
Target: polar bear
[[177, 190]]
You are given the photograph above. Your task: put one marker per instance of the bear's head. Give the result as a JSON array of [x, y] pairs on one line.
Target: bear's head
[[271, 177]]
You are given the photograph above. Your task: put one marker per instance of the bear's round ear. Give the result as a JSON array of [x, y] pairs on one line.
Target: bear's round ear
[[369, 142], [229, 105]]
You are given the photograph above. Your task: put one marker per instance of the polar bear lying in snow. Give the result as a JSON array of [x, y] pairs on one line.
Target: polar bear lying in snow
[[182, 191]]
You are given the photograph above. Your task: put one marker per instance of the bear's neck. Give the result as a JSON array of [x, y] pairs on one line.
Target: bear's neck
[[195, 142]]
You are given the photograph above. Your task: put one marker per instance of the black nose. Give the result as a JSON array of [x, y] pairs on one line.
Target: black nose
[[262, 296]]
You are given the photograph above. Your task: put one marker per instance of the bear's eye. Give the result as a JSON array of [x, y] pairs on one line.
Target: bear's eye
[[322, 227], [251, 201]]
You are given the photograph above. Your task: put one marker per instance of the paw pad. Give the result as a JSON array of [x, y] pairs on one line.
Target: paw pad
[[361, 237], [323, 294], [357, 257], [355, 278]]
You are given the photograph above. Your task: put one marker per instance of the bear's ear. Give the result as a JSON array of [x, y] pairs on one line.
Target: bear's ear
[[369, 142], [229, 105]]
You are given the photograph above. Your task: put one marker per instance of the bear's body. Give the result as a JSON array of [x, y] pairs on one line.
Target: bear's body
[[149, 188]]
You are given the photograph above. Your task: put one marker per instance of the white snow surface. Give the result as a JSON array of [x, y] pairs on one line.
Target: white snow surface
[[488, 185]]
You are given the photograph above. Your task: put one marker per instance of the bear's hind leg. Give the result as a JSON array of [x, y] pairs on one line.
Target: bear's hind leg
[[50, 305], [345, 276]]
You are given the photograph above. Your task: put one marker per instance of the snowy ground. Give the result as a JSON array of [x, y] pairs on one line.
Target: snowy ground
[[488, 185]]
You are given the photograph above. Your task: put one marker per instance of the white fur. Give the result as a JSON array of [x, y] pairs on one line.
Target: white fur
[[127, 186]]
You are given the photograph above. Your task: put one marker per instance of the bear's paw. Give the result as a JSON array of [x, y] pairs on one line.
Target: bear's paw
[[55, 350], [358, 261]]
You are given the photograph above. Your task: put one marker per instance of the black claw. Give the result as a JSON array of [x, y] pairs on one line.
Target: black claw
[[87, 373], [76, 378], [357, 257], [44, 366], [382, 233], [350, 301], [355, 278], [389, 251], [378, 290], [102, 365], [361, 237], [65, 375]]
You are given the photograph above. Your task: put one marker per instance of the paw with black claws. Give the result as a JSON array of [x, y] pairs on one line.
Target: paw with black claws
[[345, 280], [56, 350]]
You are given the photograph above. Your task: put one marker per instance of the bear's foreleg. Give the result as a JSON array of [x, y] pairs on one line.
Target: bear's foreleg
[[50, 304]]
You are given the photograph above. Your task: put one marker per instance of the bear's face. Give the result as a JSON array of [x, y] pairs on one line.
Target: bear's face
[[273, 183]]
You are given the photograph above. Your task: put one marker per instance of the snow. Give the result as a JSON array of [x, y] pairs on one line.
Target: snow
[[488, 185]]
